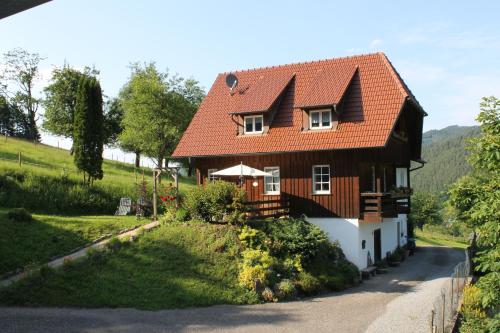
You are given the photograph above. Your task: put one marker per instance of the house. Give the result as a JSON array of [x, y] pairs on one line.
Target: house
[[337, 135]]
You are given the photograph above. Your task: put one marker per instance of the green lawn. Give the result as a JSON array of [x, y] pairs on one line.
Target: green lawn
[[54, 186], [32, 243], [433, 238], [52, 160], [170, 267]]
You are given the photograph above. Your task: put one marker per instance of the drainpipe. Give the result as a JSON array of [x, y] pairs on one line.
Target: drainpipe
[[421, 162]]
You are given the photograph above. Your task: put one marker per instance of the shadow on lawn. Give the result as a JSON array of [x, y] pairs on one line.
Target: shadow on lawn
[[33, 243]]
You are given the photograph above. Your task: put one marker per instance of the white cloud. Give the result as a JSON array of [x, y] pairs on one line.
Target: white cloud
[[419, 72], [447, 36], [448, 96], [375, 43]]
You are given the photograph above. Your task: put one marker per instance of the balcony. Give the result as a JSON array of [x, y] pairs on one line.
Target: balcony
[[378, 205]]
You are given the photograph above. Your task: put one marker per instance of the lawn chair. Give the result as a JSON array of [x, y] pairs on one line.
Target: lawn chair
[[125, 207], [143, 207]]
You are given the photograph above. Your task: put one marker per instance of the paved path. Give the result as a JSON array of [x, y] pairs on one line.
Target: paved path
[[393, 302], [79, 254]]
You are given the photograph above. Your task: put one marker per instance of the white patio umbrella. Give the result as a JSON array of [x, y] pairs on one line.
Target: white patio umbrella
[[241, 170]]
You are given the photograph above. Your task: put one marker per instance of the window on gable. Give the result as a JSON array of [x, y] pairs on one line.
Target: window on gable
[[321, 179], [254, 124], [320, 119], [272, 183]]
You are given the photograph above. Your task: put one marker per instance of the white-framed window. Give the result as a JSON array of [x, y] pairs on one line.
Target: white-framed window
[[320, 119], [254, 124], [272, 183], [321, 179], [210, 175]]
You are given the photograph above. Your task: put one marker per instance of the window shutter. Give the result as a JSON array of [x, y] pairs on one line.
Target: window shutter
[[305, 120]]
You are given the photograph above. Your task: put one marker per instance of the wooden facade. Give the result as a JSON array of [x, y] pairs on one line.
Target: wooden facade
[[350, 175]]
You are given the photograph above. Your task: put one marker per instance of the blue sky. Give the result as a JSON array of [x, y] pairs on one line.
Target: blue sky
[[447, 51]]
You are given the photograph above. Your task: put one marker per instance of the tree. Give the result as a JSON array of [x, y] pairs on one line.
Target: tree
[[477, 201], [425, 209], [157, 110], [21, 70], [113, 117], [60, 99], [88, 136]]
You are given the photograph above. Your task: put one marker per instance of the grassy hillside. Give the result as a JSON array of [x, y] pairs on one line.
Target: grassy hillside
[[47, 181], [25, 243], [446, 154], [170, 267]]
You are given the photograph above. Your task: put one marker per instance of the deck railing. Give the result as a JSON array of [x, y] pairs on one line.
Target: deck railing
[[267, 208], [377, 205]]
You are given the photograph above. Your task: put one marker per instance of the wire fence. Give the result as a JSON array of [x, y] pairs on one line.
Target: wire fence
[[446, 305]]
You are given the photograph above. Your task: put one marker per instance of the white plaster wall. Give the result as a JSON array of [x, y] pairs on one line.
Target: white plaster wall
[[366, 233], [389, 235], [403, 218], [346, 232], [350, 234]]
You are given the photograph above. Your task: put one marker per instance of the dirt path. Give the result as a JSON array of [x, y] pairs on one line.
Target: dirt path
[[378, 305]]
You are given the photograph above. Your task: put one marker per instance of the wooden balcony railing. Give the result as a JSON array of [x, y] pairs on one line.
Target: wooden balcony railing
[[267, 208], [377, 205]]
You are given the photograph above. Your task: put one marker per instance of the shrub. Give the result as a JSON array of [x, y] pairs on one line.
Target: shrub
[[285, 290], [471, 305], [267, 295], [394, 256], [255, 268], [308, 284], [252, 238], [19, 215], [331, 268], [181, 215], [217, 201], [294, 237], [173, 214]]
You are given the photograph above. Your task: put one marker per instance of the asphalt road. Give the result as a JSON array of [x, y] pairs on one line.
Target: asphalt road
[[395, 302]]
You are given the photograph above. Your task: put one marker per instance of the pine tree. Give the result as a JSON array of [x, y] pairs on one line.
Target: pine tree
[[88, 137]]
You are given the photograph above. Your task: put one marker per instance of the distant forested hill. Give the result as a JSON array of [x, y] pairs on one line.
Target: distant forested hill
[[445, 152]]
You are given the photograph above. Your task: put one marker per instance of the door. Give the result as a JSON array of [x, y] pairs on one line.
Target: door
[[377, 245]]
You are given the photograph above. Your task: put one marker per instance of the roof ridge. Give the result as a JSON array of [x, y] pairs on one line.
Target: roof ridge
[[303, 63], [394, 74]]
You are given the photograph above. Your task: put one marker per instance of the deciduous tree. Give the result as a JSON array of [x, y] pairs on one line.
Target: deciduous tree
[[477, 201], [18, 81], [60, 99], [157, 110]]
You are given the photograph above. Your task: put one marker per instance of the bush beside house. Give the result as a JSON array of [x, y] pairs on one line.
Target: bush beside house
[[280, 258]]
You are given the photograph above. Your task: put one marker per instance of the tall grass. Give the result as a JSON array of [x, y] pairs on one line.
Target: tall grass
[[48, 183]]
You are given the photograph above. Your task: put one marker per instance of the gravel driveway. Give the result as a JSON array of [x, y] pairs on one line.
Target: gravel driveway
[[399, 301]]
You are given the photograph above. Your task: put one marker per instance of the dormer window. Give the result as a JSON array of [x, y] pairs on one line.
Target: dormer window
[[254, 124], [320, 119]]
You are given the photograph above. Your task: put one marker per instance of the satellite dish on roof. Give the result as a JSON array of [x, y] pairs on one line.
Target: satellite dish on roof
[[231, 81]]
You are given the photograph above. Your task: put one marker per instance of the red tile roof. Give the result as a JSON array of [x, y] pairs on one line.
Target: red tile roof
[[327, 87], [257, 92], [374, 96]]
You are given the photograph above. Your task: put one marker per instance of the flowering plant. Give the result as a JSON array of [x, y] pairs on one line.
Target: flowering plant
[[168, 196]]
